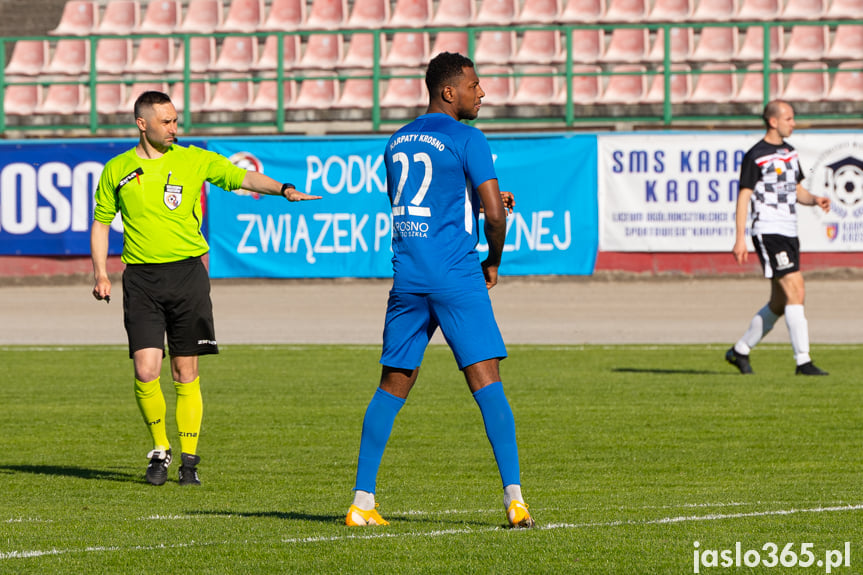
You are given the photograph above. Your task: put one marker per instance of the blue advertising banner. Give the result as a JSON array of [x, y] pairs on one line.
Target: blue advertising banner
[[347, 234]]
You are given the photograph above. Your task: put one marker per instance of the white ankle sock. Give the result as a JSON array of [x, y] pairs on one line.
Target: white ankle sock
[[364, 500], [798, 330], [761, 324], [511, 493]]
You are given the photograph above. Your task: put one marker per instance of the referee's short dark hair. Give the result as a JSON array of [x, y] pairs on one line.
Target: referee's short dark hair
[[444, 68], [148, 100]]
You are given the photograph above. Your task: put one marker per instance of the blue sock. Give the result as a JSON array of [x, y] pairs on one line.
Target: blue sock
[[500, 429], [377, 426]]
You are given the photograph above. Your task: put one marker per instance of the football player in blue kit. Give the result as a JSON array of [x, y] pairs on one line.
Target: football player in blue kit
[[440, 175]]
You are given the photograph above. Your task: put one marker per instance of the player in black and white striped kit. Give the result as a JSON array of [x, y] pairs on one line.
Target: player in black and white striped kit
[[770, 180]]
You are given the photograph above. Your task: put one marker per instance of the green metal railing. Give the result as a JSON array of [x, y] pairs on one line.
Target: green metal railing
[[569, 115]]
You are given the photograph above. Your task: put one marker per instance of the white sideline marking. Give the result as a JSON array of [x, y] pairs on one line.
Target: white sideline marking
[[27, 520], [384, 534]]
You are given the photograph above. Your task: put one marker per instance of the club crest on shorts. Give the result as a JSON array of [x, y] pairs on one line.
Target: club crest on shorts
[[173, 196]]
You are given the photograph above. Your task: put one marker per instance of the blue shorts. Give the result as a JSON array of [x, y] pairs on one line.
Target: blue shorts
[[465, 318]]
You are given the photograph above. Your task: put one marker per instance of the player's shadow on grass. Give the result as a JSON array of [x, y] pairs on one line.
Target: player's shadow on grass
[[77, 472], [290, 515], [670, 371]]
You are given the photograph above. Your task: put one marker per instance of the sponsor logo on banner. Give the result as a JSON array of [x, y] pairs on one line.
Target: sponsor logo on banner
[[250, 162], [838, 175]]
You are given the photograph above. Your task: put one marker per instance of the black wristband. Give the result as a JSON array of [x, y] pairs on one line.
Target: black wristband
[[285, 186]]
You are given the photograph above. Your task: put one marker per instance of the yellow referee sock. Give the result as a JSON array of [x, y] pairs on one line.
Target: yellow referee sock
[[190, 410], [151, 402]]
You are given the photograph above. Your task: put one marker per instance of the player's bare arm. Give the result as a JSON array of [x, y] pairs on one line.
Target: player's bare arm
[[741, 254], [495, 228], [508, 200], [99, 254], [263, 184], [807, 198]]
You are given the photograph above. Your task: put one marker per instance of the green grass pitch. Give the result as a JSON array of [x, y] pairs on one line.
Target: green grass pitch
[[629, 455]]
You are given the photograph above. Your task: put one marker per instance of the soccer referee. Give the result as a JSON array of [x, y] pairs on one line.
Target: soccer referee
[[156, 186]]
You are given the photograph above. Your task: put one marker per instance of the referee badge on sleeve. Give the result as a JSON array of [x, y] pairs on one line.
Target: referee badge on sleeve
[[173, 196]]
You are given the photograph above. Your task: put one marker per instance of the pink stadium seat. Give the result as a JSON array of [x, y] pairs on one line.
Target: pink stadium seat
[[539, 12], [202, 16], [230, 95], [681, 85], [681, 45], [449, 42], [587, 46], [316, 93], [714, 10], [407, 50], [626, 11], [847, 83], [627, 45], [758, 10], [237, 54], [411, 14], [807, 82], [586, 86], [627, 86], [161, 16], [582, 12], [120, 17], [804, 9], [406, 92], [454, 13], [538, 47], [110, 98], [285, 16], [715, 45], [113, 55], [360, 51], [243, 16], [806, 43], [202, 55], [28, 58], [322, 52], [496, 13], [269, 56], [752, 46], [845, 9], [670, 11], [847, 43], [716, 84], [368, 14], [326, 15], [153, 56], [138, 88], [752, 84], [495, 47], [22, 100], [70, 57], [538, 90], [62, 99], [78, 19], [498, 84], [356, 93], [267, 95], [199, 95]]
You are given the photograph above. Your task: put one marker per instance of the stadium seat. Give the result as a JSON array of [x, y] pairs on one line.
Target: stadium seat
[[758, 10], [450, 42], [326, 15], [411, 14], [582, 12], [536, 90], [70, 57], [539, 12], [454, 13], [21, 100], [407, 50], [681, 45], [495, 13], [715, 44], [681, 85], [845, 9], [138, 88], [243, 16], [714, 10], [237, 54], [202, 17], [199, 95], [626, 86], [230, 95], [360, 51], [269, 55], [78, 18], [405, 92], [538, 47], [752, 84], [587, 46], [804, 9], [202, 55], [494, 47], [370, 14], [356, 93], [670, 11], [627, 45], [847, 43], [807, 82], [847, 83], [153, 56], [161, 16], [267, 96], [752, 46], [110, 98], [28, 58], [586, 86], [715, 83], [113, 55], [120, 17], [321, 52], [62, 99], [316, 93], [626, 11], [497, 83], [806, 43], [285, 16]]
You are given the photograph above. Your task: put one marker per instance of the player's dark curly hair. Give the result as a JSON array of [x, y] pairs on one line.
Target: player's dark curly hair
[[148, 100], [444, 68]]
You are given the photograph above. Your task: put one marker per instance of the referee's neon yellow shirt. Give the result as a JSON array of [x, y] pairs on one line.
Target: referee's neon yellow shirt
[[160, 201]]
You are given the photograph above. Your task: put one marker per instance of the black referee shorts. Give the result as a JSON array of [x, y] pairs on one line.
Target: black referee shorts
[[779, 255], [172, 298]]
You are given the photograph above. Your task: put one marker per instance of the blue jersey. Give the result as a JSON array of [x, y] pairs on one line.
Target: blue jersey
[[434, 165]]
